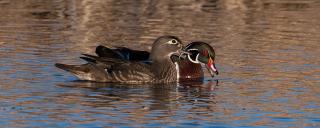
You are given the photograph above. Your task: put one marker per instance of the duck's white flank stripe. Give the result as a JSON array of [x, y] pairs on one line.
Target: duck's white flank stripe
[[178, 72]]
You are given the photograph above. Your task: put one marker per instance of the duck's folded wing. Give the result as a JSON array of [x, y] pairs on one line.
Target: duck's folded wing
[[122, 53], [132, 72], [102, 60], [133, 55], [103, 51]]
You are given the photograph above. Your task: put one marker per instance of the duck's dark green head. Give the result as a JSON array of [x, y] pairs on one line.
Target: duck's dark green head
[[201, 52]]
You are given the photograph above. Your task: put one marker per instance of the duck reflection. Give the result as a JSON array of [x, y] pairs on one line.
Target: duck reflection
[[144, 97]]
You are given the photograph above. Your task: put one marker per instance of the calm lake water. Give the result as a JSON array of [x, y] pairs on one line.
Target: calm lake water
[[268, 54]]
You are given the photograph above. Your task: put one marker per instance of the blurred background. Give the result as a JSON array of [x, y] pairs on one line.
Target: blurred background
[[267, 54]]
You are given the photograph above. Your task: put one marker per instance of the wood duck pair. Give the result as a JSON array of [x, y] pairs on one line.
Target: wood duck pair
[[167, 62]]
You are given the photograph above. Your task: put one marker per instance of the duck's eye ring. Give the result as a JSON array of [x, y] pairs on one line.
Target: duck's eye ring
[[173, 41]]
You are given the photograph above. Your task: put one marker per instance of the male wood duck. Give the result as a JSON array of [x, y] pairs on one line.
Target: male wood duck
[[195, 54], [202, 53], [161, 70], [188, 63]]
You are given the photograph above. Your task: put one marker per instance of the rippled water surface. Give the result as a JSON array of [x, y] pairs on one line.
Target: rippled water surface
[[268, 54]]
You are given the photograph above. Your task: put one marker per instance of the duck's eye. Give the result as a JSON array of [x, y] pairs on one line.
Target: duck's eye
[[173, 41], [204, 53]]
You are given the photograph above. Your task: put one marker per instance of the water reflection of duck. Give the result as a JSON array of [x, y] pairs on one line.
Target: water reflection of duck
[[152, 96], [162, 65]]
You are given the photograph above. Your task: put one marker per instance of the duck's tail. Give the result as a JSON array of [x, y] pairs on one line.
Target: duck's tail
[[84, 72], [70, 68]]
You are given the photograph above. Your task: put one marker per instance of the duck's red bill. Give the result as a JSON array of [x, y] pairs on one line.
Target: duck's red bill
[[212, 68]]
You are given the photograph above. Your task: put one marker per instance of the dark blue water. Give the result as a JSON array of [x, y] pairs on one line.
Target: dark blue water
[[267, 55]]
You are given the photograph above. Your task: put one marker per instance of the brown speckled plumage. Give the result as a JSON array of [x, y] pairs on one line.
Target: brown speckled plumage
[[115, 68]]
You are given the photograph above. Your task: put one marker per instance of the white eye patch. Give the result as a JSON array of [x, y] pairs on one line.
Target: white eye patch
[[173, 41]]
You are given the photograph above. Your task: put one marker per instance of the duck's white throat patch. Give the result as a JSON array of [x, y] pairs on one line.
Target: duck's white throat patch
[[178, 71]]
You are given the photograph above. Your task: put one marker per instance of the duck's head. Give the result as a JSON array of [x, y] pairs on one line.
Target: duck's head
[[201, 52], [164, 47]]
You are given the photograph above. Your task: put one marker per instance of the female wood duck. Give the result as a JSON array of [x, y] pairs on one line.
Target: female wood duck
[[188, 63], [114, 69]]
